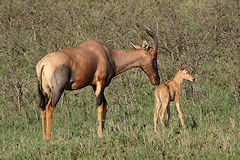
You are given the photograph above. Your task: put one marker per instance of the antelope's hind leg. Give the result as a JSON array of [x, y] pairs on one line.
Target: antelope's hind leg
[[156, 113], [59, 81], [168, 115], [49, 111], [163, 109], [43, 115], [43, 102]]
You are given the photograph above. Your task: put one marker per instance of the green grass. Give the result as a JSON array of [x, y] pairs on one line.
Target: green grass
[[129, 130], [201, 35]]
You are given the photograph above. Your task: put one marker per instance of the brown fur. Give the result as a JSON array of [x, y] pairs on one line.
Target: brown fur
[[170, 91], [90, 63]]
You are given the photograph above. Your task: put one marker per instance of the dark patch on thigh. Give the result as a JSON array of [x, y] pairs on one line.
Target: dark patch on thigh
[[60, 79], [61, 75]]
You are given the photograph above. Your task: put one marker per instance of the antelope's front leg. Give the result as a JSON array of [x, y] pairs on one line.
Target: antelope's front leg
[[180, 112], [100, 107], [105, 109], [100, 122], [102, 111]]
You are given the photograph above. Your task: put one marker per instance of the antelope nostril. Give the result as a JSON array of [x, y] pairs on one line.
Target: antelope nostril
[[193, 79]]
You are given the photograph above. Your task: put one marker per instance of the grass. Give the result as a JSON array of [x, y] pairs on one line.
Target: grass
[[128, 133], [201, 35]]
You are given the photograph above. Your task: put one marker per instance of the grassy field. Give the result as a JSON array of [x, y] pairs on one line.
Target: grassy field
[[203, 35]]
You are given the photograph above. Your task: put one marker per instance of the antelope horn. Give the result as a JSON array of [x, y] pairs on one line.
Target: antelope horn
[[182, 68], [152, 37]]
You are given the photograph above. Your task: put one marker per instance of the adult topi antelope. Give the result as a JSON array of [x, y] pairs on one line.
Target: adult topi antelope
[[90, 63], [170, 91]]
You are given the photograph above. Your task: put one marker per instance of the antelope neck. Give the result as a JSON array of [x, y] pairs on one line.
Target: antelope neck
[[177, 79], [126, 59]]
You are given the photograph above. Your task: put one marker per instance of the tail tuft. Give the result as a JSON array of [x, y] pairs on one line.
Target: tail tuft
[[41, 92]]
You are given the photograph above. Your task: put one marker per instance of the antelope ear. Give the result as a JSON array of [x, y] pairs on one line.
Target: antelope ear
[[145, 45], [136, 46]]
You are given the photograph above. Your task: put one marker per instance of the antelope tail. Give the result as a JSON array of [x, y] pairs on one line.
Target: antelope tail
[[40, 90]]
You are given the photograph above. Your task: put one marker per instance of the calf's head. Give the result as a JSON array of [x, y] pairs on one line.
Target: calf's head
[[185, 74]]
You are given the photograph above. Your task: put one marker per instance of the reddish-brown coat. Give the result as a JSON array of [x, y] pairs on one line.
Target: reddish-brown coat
[[90, 63]]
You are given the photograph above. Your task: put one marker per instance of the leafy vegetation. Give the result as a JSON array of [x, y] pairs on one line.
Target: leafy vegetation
[[202, 35]]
